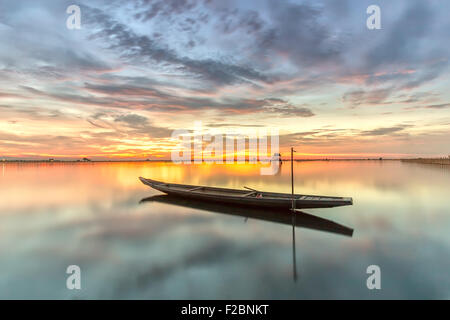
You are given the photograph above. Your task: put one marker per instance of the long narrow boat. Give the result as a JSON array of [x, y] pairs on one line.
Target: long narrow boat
[[250, 197]]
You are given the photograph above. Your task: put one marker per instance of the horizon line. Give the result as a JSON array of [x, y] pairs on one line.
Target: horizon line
[[214, 161]]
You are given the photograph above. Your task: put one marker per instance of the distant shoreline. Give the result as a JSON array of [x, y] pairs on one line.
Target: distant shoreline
[[442, 161], [438, 161]]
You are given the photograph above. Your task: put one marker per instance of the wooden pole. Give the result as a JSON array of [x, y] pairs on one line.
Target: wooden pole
[[292, 177]]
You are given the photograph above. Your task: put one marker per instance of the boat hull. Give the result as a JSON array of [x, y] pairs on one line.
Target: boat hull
[[246, 198]]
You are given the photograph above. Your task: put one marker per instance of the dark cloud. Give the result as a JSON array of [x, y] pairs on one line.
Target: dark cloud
[[328, 138], [231, 20], [383, 131], [151, 99], [438, 106], [133, 46], [32, 90], [51, 143], [252, 22], [132, 120], [430, 72], [417, 97], [321, 137], [296, 32], [149, 9], [403, 56], [223, 125], [403, 42], [358, 97], [292, 111], [133, 125], [126, 90]]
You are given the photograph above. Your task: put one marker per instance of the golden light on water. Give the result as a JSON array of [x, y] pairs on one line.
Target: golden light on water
[[29, 185]]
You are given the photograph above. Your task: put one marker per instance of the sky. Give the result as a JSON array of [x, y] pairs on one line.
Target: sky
[[137, 70]]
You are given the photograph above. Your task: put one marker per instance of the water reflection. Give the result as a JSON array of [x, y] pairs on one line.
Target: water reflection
[[298, 219], [302, 219], [55, 215]]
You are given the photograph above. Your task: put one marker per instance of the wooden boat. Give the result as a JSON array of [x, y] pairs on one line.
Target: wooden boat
[[250, 197]]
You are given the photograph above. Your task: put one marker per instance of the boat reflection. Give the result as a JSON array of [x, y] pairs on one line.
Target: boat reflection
[[302, 219], [299, 219]]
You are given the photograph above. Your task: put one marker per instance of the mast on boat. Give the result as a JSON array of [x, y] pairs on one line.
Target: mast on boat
[[292, 178]]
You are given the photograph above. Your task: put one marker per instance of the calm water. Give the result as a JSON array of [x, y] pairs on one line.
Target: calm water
[[91, 215]]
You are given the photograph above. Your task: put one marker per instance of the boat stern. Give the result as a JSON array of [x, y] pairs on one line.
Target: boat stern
[[345, 201], [312, 202]]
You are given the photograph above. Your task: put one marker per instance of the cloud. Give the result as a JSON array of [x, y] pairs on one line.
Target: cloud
[[358, 97], [438, 106], [291, 111], [297, 33], [405, 37], [151, 99], [141, 47], [431, 71], [403, 56], [417, 97], [165, 8], [132, 119], [383, 131], [224, 125], [132, 125], [320, 137]]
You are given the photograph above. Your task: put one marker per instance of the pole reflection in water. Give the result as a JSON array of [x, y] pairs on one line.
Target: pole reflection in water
[[294, 256], [297, 219]]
